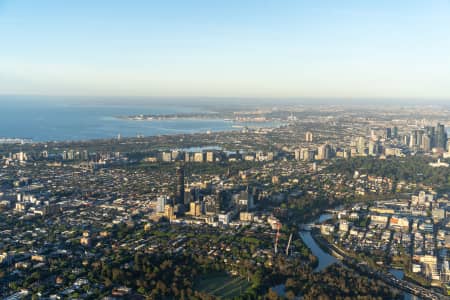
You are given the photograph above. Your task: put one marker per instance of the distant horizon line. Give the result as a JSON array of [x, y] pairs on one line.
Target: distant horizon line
[[341, 99]]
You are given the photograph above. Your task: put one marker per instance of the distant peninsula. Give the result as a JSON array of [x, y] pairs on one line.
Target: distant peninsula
[[226, 116]]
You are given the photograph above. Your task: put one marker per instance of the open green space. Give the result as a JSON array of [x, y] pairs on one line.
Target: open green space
[[222, 285]]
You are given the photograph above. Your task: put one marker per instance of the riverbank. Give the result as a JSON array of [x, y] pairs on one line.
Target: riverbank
[[324, 258], [410, 289]]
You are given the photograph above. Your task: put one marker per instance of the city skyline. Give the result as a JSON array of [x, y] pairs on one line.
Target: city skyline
[[210, 149], [287, 49], [336, 203]]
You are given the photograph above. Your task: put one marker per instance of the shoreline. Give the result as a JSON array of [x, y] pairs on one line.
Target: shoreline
[[223, 126], [233, 128], [195, 118]]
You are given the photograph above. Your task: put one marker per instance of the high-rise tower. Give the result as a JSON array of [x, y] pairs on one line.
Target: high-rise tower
[[179, 194], [441, 136]]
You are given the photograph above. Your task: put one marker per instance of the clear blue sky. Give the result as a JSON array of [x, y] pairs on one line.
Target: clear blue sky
[[242, 48]]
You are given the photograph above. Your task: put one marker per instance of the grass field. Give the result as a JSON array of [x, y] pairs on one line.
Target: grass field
[[222, 285]]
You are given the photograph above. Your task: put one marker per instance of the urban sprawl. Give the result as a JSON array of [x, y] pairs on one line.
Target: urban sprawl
[[234, 215]]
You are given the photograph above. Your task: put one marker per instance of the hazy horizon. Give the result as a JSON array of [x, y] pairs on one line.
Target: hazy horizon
[[218, 100]]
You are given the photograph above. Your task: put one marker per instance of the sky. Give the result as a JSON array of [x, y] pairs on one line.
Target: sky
[[226, 48]]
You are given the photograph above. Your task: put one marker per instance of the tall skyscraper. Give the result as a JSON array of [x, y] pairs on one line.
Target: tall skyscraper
[[388, 133], [85, 155], [374, 148], [441, 136], [395, 132], [179, 194], [361, 145], [324, 152], [306, 154], [426, 143], [416, 139], [431, 132], [406, 139], [419, 137], [161, 204], [196, 208], [309, 136]]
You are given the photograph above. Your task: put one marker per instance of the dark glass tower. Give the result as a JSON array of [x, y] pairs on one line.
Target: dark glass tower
[[395, 132], [431, 132], [179, 193], [388, 133], [441, 136]]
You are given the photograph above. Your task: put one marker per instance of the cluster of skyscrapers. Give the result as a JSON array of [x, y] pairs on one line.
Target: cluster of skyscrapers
[[381, 141], [428, 138]]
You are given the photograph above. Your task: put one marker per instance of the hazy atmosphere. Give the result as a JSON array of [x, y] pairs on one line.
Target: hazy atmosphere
[[225, 150], [348, 49]]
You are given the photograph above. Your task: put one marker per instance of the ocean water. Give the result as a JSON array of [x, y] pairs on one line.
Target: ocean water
[[41, 119]]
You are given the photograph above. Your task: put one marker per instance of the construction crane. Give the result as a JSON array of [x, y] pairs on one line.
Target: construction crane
[[277, 237], [288, 245]]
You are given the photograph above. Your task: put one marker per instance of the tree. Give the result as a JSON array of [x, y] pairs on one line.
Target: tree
[[272, 295]]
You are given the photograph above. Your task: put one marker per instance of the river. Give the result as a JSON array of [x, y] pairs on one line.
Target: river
[[326, 259]]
